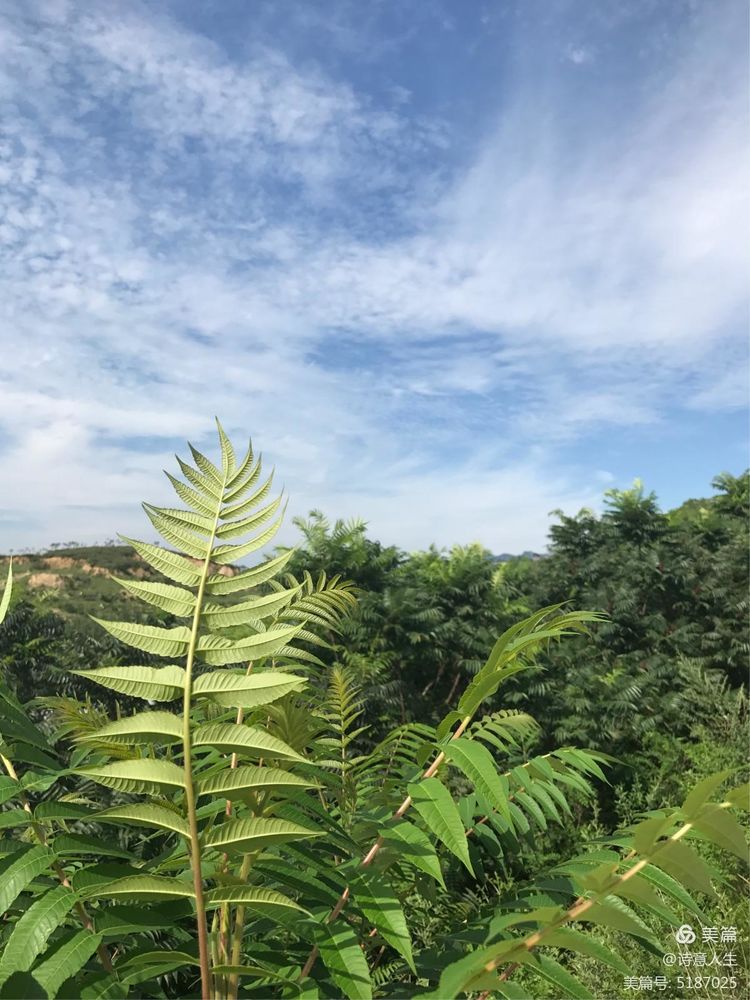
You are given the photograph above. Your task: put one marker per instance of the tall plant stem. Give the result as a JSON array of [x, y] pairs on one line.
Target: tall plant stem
[[102, 951], [239, 926], [187, 750], [374, 850], [225, 909]]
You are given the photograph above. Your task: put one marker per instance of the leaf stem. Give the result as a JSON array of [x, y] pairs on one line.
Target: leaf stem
[[190, 798], [374, 850]]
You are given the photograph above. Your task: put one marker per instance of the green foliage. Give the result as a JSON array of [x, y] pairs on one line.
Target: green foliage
[[274, 822]]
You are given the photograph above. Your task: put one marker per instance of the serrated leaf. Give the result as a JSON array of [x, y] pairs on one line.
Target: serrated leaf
[[538, 791], [140, 775], [233, 529], [476, 762], [243, 740], [433, 802], [228, 459], [612, 912], [17, 870], [200, 524], [55, 809], [33, 929], [207, 467], [191, 497], [720, 827], [639, 890], [245, 477], [225, 554], [256, 609], [234, 783], [81, 843], [340, 951], [86, 880], [120, 919], [145, 814], [145, 727], [149, 638], [703, 791], [585, 944], [243, 506], [529, 804], [413, 845], [69, 957], [248, 579], [674, 890], [218, 651], [380, 904], [554, 792], [170, 564], [246, 690], [144, 888], [149, 683], [518, 819], [266, 902], [158, 958], [176, 600], [182, 538], [247, 835], [205, 486], [680, 861]]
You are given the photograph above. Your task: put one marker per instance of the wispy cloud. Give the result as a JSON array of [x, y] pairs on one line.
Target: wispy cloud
[[403, 325]]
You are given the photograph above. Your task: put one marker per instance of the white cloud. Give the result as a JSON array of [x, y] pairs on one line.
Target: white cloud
[[185, 234]]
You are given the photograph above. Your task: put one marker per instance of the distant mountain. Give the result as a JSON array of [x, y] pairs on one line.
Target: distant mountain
[[509, 556], [80, 581]]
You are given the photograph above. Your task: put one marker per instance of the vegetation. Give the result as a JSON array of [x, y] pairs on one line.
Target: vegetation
[[429, 775]]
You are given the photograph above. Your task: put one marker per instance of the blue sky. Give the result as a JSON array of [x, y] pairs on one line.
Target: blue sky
[[452, 265]]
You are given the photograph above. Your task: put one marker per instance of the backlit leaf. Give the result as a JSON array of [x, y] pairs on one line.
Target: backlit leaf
[[137, 775], [236, 690], [144, 888], [433, 802], [150, 638], [149, 683], [145, 814], [244, 740], [247, 835], [218, 651], [145, 727], [234, 783]]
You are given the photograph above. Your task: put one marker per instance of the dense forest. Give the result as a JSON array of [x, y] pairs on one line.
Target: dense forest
[[441, 774]]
